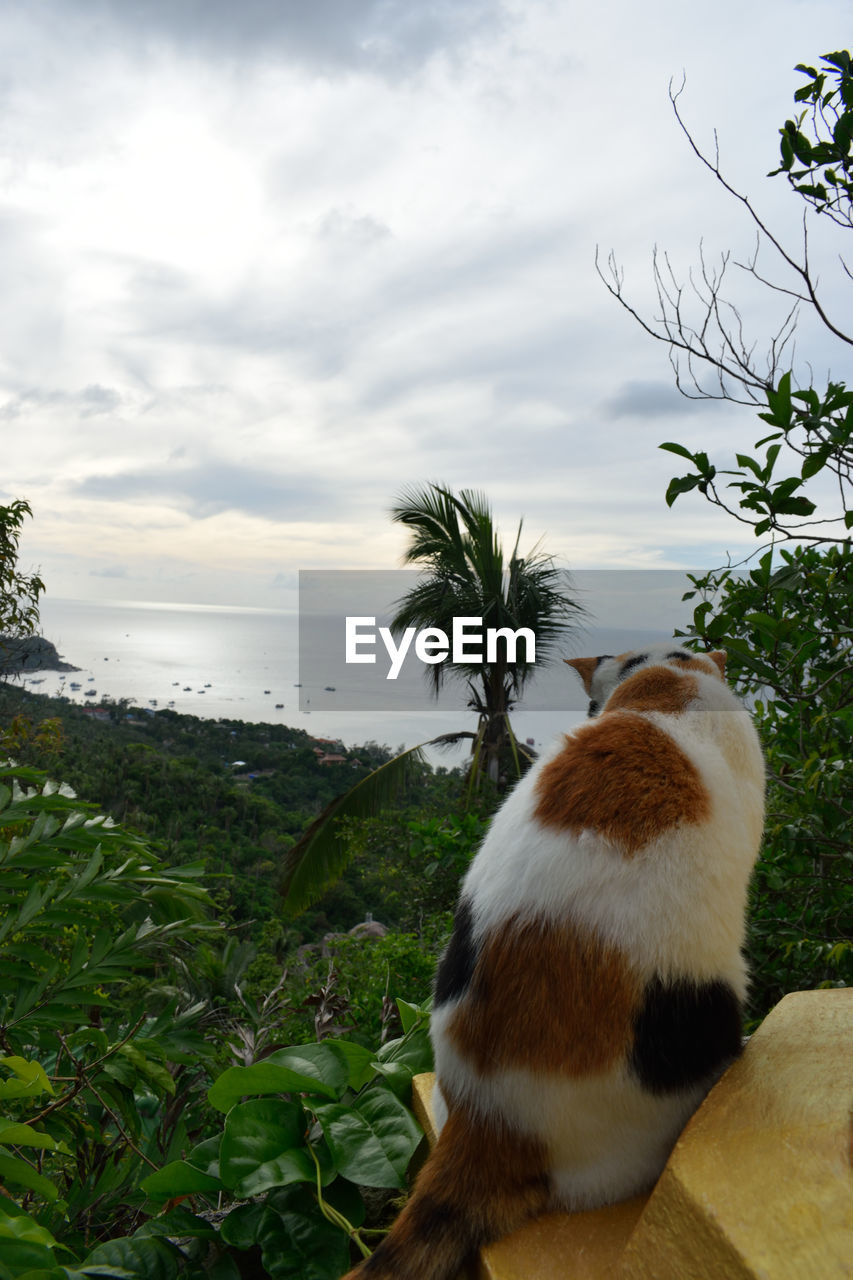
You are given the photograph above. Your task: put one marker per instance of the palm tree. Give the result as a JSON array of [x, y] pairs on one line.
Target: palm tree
[[455, 540], [466, 574]]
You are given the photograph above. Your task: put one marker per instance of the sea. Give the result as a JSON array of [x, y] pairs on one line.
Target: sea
[[234, 663], [240, 663]]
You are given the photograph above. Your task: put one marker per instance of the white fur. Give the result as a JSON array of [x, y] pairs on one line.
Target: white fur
[[675, 906], [607, 1137]]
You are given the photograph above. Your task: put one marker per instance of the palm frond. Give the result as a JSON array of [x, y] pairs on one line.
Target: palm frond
[[320, 855]]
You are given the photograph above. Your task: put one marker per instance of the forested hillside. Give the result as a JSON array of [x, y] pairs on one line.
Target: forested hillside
[[235, 796]]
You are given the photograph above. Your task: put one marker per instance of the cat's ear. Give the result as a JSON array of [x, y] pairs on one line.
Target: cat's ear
[[585, 668], [718, 657]]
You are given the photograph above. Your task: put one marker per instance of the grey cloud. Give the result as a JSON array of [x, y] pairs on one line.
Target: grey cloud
[[95, 400], [92, 401], [340, 226], [651, 400], [109, 571], [384, 36], [212, 488]]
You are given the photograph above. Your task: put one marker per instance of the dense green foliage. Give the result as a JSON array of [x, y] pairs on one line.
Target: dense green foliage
[[816, 146], [99, 1073], [121, 996], [787, 623], [788, 628], [19, 591]]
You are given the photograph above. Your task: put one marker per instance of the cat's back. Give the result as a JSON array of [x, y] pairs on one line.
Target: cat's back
[[631, 804]]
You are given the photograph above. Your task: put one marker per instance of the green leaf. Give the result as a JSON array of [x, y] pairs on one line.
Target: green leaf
[[178, 1222], [262, 1147], [413, 1050], [373, 1140], [313, 1068], [320, 854], [297, 1242], [14, 1134], [410, 1013], [358, 1059], [180, 1179], [31, 1079], [814, 462], [137, 1257], [23, 1258], [240, 1229], [21, 1174], [677, 448], [21, 1226], [794, 506], [205, 1155], [679, 485]]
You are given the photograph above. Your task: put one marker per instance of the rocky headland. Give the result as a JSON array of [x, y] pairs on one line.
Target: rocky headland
[[19, 654]]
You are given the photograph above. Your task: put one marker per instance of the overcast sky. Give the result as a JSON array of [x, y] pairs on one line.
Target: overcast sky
[[264, 264]]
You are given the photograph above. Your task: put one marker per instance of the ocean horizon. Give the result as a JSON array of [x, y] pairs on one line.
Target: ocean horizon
[[236, 662]]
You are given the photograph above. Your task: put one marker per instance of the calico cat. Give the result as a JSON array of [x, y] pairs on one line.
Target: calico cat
[[591, 991]]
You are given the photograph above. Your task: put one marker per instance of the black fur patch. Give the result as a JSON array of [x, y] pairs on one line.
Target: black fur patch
[[431, 1224], [636, 661], [593, 709], [684, 1032], [456, 967], [680, 654]]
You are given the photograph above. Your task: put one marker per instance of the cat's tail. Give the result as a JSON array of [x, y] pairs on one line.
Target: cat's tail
[[480, 1182]]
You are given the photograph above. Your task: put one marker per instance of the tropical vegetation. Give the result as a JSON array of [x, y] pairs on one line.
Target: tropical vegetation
[[19, 591], [786, 621], [466, 574]]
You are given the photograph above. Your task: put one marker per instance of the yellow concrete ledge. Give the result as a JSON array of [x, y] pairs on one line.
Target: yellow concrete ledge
[[759, 1186]]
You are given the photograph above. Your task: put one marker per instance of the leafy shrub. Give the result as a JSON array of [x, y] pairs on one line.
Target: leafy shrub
[[94, 1089], [303, 1130], [787, 627]]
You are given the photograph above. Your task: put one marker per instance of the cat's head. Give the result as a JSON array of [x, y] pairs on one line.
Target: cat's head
[[601, 675]]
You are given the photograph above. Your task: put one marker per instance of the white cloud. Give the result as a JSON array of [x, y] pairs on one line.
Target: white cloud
[[262, 270]]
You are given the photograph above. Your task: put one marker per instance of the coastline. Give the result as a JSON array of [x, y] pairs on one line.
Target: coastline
[[21, 654]]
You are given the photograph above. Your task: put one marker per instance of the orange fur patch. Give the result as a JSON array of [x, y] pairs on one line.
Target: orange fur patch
[[623, 777], [549, 997], [699, 662], [481, 1182], [585, 668], [655, 689]]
